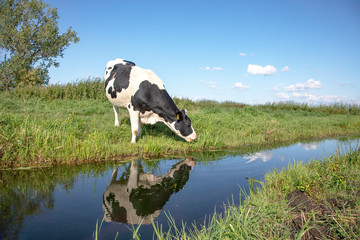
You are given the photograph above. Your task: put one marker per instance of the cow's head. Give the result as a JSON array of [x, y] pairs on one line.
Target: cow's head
[[182, 126]]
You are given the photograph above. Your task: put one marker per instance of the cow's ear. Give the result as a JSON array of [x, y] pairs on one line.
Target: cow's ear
[[179, 116]]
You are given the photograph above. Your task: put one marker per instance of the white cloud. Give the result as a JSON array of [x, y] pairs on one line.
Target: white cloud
[[212, 84], [285, 69], [309, 84], [264, 156], [282, 95], [242, 54], [259, 70], [217, 68], [240, 86], [310, 97], [207, 68], [309, 146], [299, 92]]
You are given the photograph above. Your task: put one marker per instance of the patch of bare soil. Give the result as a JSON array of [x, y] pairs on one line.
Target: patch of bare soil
[[330, 219]]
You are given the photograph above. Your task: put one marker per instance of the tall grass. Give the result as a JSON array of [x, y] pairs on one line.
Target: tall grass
[[93, 88], [335, 108], [87, 88], [61, 124], [244, 222]]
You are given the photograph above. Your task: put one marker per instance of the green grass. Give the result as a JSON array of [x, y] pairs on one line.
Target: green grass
[[74, 123], [330, 186]]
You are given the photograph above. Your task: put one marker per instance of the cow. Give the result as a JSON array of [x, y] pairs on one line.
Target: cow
[[143, 94], [134, 196]]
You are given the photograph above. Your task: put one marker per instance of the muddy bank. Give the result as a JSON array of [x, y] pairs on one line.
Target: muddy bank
[[317, 219]]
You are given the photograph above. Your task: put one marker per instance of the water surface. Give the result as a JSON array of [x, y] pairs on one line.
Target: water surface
[[66, 202]]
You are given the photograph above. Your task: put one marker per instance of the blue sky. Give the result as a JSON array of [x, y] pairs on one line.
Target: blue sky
[[247, 51]]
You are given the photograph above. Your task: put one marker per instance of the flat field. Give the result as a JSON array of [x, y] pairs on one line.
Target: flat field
[[74, 123]]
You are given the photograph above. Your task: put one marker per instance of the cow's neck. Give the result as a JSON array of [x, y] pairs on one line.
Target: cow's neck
[[166, 108]]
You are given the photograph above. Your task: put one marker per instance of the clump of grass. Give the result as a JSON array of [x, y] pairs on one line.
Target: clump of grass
[[97, 232], [320, 179], [331, 187], [87, 88], [244, 222]]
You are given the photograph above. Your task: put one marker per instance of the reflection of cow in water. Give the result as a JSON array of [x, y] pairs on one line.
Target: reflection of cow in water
[[137, 195]]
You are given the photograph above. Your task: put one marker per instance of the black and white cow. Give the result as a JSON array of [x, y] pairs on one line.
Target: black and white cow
[[134, 196], [143, 94]]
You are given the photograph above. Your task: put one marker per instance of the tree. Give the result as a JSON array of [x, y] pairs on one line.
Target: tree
[[30, 42]]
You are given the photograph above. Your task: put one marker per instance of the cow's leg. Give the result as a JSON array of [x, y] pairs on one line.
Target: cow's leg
[[133, 177], [113, 175], [135, 124], [116, 111]]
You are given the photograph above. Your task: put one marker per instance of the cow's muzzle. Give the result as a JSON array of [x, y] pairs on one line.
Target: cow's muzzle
[[192, 137]]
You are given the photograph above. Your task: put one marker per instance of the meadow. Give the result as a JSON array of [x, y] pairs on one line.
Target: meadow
[[74, 123]]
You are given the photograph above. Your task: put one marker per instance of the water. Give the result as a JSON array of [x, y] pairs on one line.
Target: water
[[66, 202]]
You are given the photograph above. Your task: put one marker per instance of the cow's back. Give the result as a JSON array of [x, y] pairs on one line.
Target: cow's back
[[122, 81]]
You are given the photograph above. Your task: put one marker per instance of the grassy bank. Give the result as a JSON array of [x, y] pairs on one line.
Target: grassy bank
[[319, 200], [74, 123]]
